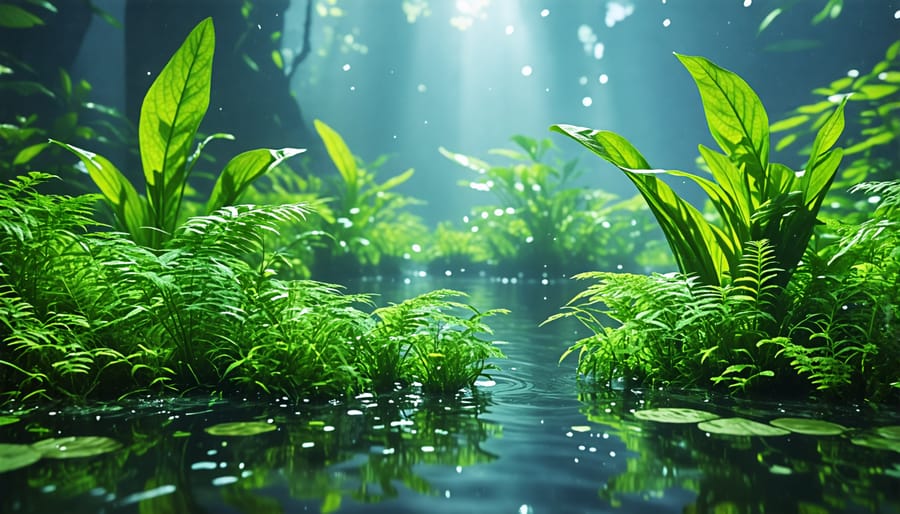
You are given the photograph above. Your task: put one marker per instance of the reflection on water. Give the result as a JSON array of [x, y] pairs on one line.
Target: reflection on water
[[525, 441]]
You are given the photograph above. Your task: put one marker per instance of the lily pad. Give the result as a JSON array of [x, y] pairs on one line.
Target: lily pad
[[878, 443], [740, 426], [891, 432], [75, 446], [15, 456], [240, 428], [674, 415], [809, 426], [8, 420]]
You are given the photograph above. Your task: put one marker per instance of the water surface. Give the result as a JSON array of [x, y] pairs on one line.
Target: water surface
[[525, 441]]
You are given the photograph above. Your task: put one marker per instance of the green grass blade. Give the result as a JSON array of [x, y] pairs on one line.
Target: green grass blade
[[243, 169]]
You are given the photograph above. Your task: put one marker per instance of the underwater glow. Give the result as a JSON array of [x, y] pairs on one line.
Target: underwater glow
[[617, 12]]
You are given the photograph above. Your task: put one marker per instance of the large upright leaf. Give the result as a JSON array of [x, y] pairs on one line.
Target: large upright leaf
[[737, 119], [171, 113], [699, 247], [342, 157], [823, 162], [243, 169]]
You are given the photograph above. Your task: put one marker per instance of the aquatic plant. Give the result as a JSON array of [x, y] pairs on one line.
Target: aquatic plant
[[94, 315], [41, 105], [368, 225], [438, 348], [755, 199], [872, 132], [832, 331], [171, 113], [543, 222]]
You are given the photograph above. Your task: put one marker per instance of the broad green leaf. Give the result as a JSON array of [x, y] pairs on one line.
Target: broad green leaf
[[171, 113], [14, 17], [822, 164], [875, 91], [831, 10], [8, 420], [816, 108], [699, 247], [76, 446], [15, 456], [242, 170], [240, 428], [28, 153], [889, 432], [674, 415], [340, 153], [774, 13], [394, 181], [809, 426], [734, 113], [789, 123], [465, 161], [128, 206], [785, 141], [740, 427], [876, 442]]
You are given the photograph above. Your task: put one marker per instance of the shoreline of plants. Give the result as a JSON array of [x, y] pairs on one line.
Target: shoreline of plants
[[753, 306], [217, 297]]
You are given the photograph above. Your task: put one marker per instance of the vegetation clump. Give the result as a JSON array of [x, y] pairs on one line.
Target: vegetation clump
[[91, 314], [177, 303], [754, 306]]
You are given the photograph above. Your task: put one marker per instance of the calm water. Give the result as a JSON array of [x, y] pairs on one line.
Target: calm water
[[524, 443]]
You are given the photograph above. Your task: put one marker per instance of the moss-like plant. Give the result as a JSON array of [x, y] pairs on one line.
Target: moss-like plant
[[171, 114], [755, 198]]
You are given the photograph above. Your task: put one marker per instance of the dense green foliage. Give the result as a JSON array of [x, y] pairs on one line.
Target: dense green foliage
[[543, 222], [872, 134], [754, 306], [369, 224], [92, 314], [755, 199], [171, 114]]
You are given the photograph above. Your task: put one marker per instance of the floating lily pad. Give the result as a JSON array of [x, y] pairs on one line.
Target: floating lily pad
[[876, 442], [15, 456], [740, 426], [891, 432], [674, 415], [73, 447], [8, 420], [809, 426], [240, 428]]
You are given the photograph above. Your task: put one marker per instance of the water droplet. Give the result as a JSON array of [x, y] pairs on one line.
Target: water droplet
[[587, 101], [509, 30], [546, 12], [345, 67], [603, 79], [526, 70], [667, 22]]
